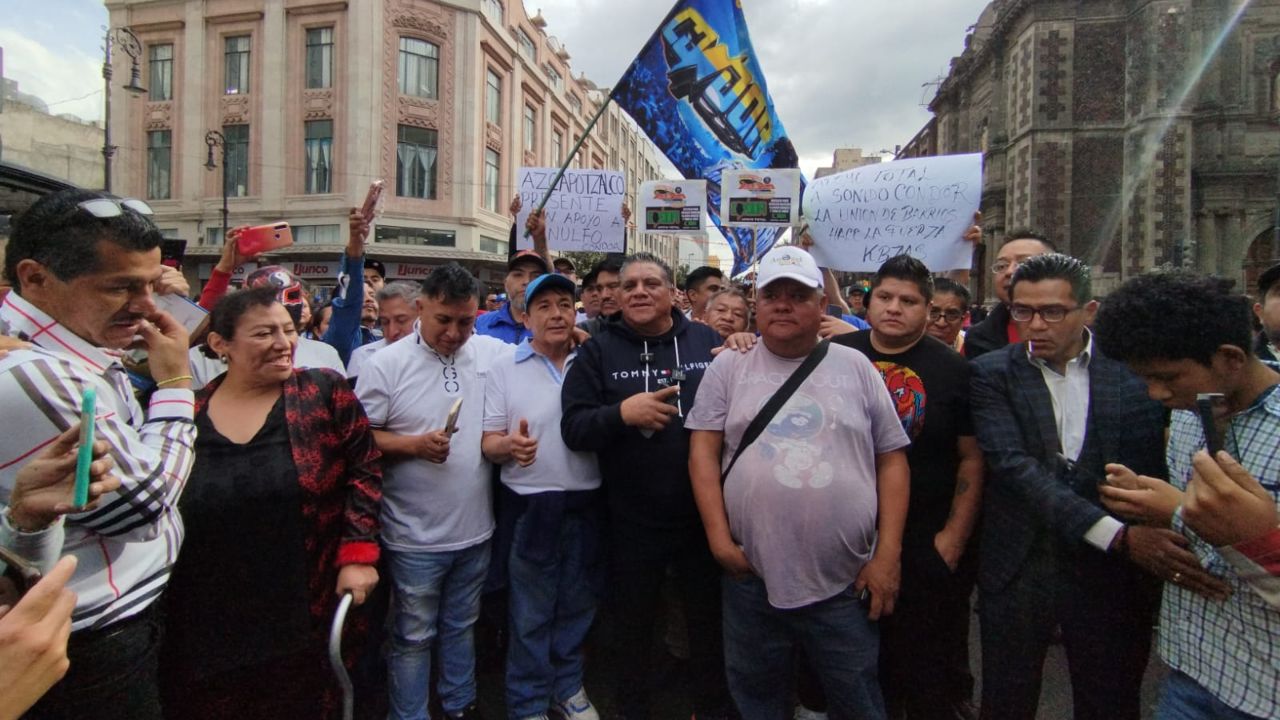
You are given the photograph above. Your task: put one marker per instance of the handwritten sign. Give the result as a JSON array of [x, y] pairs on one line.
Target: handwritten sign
[[922, 206], [672, 206], [583, 213], [759, 197]]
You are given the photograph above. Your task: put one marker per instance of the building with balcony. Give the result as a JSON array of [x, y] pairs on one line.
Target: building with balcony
[[444, 100]]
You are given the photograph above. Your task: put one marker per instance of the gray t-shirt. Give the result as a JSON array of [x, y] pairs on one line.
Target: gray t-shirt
[[801, 500]]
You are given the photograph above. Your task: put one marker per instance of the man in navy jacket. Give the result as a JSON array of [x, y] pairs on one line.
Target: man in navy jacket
[[624, 398]]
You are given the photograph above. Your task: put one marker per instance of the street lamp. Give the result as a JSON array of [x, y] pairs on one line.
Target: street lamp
[[213, 139], [133, 47]]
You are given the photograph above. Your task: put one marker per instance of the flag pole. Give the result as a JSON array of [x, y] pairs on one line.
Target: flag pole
[[572, 153]]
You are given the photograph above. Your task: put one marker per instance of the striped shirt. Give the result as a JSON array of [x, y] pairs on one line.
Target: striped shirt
[[1230, 648], [126, 546]]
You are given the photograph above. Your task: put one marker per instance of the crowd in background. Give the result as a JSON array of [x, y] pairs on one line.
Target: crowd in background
[[802, 486]]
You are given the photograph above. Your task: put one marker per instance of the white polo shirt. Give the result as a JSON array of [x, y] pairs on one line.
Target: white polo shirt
[[362, 354], [407, 388], [309, 354], [527, 386]]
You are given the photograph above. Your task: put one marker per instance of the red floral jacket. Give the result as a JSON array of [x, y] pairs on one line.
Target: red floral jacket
[[339, 469]]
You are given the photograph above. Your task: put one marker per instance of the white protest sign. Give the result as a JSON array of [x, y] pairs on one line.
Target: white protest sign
[[759, 198], [583, 213], [672, 206], [922, 206]]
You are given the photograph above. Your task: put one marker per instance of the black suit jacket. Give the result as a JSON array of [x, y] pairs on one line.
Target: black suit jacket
[[1031, 489], [990, 334]]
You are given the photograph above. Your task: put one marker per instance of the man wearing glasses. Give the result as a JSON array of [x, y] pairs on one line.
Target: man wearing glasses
[[1051, 412], [998, 329]]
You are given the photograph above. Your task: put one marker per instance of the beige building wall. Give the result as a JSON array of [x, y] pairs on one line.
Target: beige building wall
[[846, 159], [472, 37], [64, 148]]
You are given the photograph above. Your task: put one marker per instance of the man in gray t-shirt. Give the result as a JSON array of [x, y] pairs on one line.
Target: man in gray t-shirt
[[810, 519]]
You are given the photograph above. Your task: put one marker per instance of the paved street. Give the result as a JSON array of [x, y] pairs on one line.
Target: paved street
[[671, 696]]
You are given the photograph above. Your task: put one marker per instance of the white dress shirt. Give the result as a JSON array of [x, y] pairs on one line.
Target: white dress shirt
[[1070, 394]]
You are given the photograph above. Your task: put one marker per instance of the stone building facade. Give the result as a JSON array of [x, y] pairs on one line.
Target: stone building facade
[[443, 99], [1136, 133]]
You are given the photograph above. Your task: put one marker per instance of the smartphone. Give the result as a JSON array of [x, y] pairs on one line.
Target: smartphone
[[172, 252], [451, 422], [22, 574], [264, 238], [371, 199], [84, 455], [1212, 408]]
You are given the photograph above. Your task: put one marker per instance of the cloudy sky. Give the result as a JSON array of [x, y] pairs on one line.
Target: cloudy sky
[[842, 73]]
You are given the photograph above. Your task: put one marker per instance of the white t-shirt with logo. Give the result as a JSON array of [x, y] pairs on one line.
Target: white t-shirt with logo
[[527, 386], [802, 498], [407, 388]]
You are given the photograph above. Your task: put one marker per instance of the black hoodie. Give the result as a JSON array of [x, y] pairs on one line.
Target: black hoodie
[[646, 479]]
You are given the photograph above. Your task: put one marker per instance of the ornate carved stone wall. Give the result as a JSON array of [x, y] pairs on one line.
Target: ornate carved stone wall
[[1094, 130]]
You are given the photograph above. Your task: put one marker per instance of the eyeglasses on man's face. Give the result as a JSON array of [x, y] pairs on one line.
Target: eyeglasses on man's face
[[952, 315], [1049, 313]]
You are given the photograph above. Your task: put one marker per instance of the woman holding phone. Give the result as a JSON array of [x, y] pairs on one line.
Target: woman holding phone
[[281, 515]]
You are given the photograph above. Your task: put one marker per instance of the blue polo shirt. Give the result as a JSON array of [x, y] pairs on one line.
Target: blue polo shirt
[[499, 324]]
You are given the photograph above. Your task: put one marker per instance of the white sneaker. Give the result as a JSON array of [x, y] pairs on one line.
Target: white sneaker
[[804, 713], [578, 707]]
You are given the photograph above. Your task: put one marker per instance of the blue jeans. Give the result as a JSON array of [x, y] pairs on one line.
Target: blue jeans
[[1182, 698], [434, 590], [842, 645], [552, 603]]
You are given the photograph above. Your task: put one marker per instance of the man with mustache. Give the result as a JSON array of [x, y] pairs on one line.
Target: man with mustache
[[83, 265]]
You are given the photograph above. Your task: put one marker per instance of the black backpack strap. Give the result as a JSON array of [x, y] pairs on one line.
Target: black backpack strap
[[780, 398]]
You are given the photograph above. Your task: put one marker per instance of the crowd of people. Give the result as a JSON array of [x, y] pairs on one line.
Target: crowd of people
[[802, 487]]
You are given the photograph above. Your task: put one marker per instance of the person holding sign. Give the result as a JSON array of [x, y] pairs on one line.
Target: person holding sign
[[437, 514], [549, 505]]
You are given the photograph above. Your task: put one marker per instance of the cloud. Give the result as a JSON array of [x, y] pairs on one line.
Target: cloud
[[54, 74], [841, 74]]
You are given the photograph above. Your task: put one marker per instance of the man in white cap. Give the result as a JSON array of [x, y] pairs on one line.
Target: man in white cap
[[808, 520]]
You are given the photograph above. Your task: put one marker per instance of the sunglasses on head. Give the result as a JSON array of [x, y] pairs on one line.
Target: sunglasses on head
[[103, 208]]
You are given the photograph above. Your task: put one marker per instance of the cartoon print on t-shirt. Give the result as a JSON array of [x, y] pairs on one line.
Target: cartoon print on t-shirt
[[797, 461], [907, 390]]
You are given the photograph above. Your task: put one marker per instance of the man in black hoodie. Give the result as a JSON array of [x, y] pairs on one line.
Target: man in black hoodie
[[998, 329], [624, 399]]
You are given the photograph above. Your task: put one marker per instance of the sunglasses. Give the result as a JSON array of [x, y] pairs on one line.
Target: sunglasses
[[103, 208]]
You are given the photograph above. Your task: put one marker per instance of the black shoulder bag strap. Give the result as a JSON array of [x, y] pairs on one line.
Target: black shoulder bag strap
[[780, 398]]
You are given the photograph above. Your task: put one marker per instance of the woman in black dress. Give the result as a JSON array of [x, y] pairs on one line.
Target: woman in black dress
[[281, 519]]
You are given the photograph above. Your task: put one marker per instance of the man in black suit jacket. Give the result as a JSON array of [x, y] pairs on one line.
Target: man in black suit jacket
[[1050, 413], [993, 332]]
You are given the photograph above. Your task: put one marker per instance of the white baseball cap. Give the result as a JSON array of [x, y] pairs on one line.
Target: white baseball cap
[[791, 262]]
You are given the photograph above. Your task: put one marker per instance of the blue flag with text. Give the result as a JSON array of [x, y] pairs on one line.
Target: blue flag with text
[[697, 91]]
